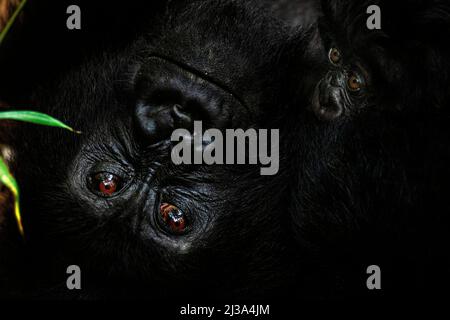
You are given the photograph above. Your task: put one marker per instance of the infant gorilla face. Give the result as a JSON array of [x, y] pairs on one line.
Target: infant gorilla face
[[112, 201]]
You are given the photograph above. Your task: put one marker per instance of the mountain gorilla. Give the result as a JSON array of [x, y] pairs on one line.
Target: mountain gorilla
[[371, 149], [112, 202], [363, 169]]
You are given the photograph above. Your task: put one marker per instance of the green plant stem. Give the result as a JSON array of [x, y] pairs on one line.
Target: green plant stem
[[10, 22]]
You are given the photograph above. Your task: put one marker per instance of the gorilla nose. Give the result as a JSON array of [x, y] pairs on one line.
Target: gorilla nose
[[329, 103], [170, 97]]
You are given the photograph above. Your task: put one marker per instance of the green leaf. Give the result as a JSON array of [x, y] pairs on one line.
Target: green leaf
[[34, 117], [8, 180], [6, 177], [11, 21]]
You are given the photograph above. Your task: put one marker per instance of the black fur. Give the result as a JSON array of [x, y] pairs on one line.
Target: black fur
[[371, 180], [235, 242], [366, 185]]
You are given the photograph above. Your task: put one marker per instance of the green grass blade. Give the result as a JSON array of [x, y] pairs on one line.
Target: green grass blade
[[8, 180], [34, 117], [11, 21]]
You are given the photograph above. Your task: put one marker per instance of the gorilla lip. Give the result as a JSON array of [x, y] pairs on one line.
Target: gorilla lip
[[198, 73]]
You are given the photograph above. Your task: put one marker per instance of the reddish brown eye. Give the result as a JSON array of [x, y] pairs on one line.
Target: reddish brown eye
[[173, 219], [334, 55], [107, 184], [355, 82]]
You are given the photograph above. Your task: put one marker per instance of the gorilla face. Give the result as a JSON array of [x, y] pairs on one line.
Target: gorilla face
[[111, 199], [364, 157], [384, 69], [363, 146]]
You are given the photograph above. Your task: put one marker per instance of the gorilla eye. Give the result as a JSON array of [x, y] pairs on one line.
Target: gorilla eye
[[106, 184], [172, 219], [355, 82], [334, 55]]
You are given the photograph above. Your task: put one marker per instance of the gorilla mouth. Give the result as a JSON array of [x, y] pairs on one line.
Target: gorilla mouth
[[198, 73]]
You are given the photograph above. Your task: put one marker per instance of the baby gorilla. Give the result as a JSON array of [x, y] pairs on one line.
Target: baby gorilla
[[372, 149], [392, 67], [111, 201]]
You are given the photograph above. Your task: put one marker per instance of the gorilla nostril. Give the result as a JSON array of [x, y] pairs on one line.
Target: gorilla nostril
[[157, 123], [154, 122]]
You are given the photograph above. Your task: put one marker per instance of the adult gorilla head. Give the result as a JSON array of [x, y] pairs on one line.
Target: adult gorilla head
[[111, 201]]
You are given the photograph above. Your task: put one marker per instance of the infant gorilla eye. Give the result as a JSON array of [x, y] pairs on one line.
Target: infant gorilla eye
[[334, 55], [172, 219], [355, 82], [105, 184]]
